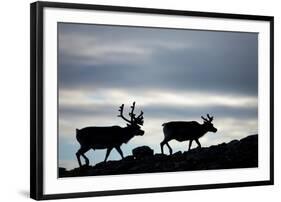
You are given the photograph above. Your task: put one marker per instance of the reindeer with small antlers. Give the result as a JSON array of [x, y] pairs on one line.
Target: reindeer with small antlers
[[109, 137], [183, 131]]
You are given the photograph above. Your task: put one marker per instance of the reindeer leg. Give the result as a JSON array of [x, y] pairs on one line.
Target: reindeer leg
[[165, 141], [170, 148], [119, 151], [81, 152], [190, 143], [197, 141], [78, 158], [107, 153], [86, 159], [162, 145]]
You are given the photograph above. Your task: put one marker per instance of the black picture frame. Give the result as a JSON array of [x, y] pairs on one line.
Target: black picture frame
[[37, 99]]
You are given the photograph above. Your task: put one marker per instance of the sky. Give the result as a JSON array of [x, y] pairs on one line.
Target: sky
[[171, 74]]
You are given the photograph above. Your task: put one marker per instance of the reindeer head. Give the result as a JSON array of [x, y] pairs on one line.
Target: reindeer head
[[135, 122], [208, 123]]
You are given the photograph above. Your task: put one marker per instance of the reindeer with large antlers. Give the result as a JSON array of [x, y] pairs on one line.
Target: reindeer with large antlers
[[183, 131], [109, 137]]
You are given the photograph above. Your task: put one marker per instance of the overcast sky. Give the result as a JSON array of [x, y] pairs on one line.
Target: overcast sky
[[171, 74]]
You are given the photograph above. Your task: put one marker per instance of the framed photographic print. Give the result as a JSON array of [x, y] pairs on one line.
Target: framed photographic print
[[131, 100]]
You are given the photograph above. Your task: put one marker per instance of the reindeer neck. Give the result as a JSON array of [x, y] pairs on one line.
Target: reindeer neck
[[204, 128], [129, 134]]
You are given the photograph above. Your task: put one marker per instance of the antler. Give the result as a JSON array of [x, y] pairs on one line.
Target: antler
[[204, 118], [139, 119], [134, 119], [131, 114], [121, 113], [210, 117]]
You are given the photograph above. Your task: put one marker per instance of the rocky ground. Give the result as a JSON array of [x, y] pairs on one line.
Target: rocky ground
[[235, 154]]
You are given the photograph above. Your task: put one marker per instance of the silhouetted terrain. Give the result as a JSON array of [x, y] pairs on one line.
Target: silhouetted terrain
[[235, 154]]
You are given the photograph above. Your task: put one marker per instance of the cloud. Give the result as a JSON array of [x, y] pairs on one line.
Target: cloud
[[80, 108], [88, 47], [111, 97], [92, 56]]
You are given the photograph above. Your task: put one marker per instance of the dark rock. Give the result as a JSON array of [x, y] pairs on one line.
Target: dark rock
[[142, 152], [161, 156], [129, 158], [178, 156], [179, 153], [233, 142], [102, 164], [62, 171]]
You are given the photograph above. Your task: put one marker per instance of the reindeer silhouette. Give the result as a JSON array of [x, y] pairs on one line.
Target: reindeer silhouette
[[183, 131], [109, 137]]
